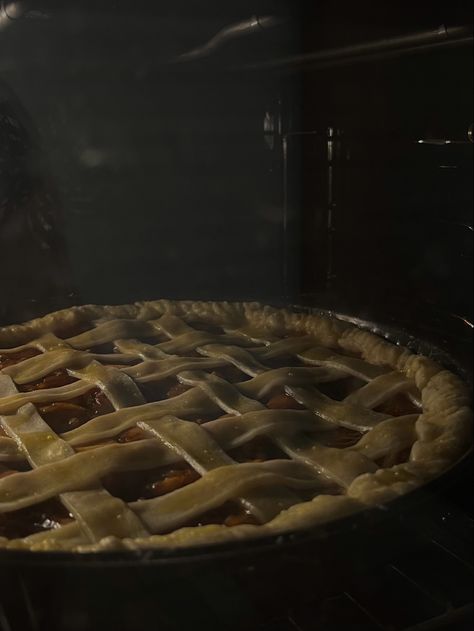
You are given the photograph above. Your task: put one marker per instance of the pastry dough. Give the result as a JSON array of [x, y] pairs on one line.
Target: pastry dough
[[279, 359]]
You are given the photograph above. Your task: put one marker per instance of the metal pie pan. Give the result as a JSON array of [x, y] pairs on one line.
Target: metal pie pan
[[372, 520]]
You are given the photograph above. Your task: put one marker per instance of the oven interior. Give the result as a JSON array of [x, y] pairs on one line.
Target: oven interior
[[296, 153]]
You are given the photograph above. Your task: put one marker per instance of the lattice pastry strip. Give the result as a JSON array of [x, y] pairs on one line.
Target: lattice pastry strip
[[194, 444], [115, 518], [45, 343], [36, 368], [221, 485], [43, 448], [106, 332], [193, 403], [12, 403], [83, 470], [341, 466]]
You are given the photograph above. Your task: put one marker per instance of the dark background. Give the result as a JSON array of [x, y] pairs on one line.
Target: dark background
[[125, 177]]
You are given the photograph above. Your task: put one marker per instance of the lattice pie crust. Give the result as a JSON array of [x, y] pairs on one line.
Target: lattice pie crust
[[342, 420]]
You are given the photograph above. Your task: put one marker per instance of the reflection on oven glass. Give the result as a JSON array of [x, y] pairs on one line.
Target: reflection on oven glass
[[30, 222]]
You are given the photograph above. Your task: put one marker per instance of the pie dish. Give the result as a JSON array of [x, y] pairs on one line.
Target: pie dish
[[174, 424]]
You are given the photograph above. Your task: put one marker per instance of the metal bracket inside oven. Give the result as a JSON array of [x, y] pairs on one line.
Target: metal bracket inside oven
[[324, 201], [244, 28]]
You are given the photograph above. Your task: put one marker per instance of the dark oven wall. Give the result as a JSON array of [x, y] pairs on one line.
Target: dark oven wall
[[386, 218], [127, 176]]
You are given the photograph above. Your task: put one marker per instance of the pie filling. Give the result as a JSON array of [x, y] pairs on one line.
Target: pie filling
[[162, 415]]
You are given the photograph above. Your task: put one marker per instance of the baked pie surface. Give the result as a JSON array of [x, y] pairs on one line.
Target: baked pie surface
[[169, 424]]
